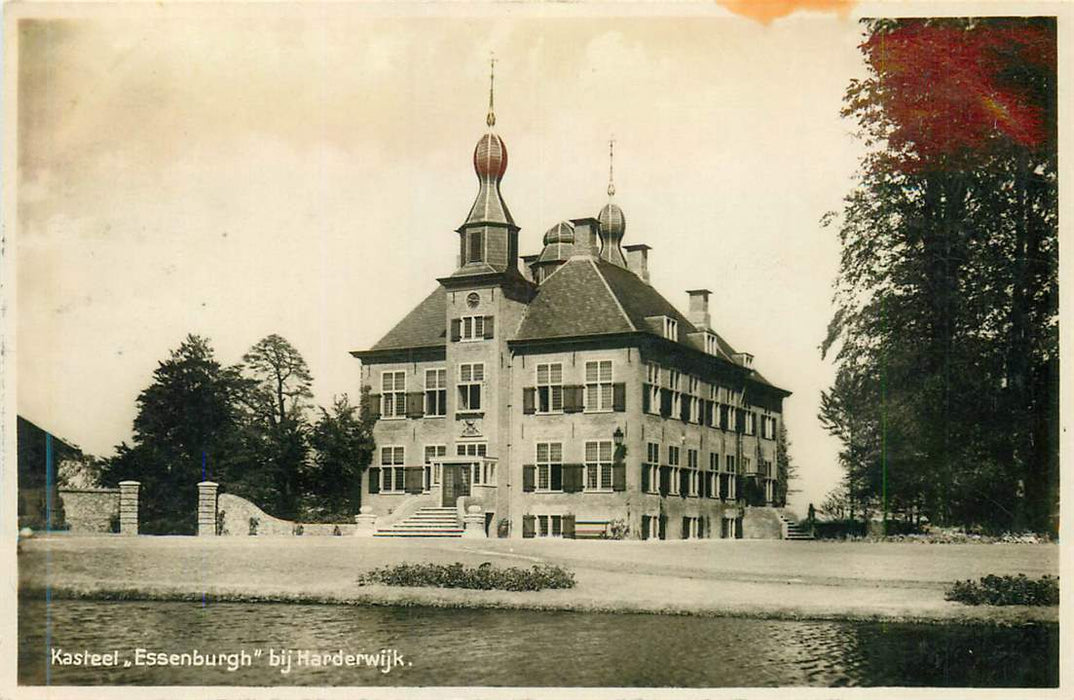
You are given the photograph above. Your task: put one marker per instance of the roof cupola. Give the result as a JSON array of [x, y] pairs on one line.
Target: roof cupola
[[489, 236], [611, 218]]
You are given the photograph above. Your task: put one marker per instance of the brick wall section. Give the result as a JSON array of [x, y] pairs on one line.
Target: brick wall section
[[90, 511]]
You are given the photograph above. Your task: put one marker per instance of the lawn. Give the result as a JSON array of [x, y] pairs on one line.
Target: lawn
[[818, 580]]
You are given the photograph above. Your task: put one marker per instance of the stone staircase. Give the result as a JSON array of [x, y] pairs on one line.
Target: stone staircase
[[429, 521], [794, 530]]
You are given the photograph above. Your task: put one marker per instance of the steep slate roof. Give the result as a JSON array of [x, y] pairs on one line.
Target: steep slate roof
[[422, 327], [588, 296], [574, 301]]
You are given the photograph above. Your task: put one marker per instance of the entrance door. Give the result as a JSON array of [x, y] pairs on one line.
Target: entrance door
[[451, 484]]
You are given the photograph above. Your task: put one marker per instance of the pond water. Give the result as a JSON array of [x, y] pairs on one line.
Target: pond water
[[516, 648]]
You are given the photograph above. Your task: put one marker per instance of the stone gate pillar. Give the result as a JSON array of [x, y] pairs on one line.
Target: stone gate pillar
[[128, 507], [207, 508]]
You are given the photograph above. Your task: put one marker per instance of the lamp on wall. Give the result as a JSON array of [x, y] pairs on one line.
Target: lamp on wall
[[617, 436]]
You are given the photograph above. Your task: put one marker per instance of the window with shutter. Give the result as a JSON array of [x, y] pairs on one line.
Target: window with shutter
[[374, 480], [549, 466], [413, 479], [393, 394], [436, 392], [529, 528], [529, 403], [374, 406], [665, 403], [550, 387], [619, 477], [646, 400], [598, 386], [529, 474], [568, 527], [456, 330], [415, 404], [572, 478], [645, 527], [471, 379], [488, 327], [645, 468], [598, 465], [572, 399], [619, 397]]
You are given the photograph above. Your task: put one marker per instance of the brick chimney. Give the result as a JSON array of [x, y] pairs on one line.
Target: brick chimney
[[637, 258], [586, 236], [699, 309]]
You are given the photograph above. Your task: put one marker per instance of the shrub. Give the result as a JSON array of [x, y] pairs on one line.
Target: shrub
[[617, 530], [484, 577], [503, 528], [1006, 590]]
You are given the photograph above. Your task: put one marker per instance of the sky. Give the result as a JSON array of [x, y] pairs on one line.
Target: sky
[[234, 173]]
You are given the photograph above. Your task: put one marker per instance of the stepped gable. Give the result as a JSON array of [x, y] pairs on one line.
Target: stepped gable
[[422, 327]]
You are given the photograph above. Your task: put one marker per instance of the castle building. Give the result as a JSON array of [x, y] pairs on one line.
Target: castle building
[[564, 395]]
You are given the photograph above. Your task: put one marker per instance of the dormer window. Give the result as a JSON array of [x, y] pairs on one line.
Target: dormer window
[[671, 328], [712, 347], [745, 359]]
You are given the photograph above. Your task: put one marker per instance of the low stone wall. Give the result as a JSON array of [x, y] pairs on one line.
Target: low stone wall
[[761, 523], [235, 513], [89, 511]]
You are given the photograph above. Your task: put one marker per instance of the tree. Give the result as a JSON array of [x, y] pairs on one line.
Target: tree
[[342, 442], [282, 380], [786, 470], [277, 391], [188, 428], [945, 331]]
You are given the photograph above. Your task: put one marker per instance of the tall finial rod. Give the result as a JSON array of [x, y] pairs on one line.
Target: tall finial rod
[[491, 118], [611, 167]]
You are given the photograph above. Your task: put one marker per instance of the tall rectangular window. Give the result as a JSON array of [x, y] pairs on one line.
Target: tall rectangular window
[[432, 471], [652, 466], [393, 394], [436, 392], [674, 386], [673, 461], [652, 380], [391, 469], [471, 377], [598, 465], [472, 328], [550, 388], [598, 385], [549, 466]]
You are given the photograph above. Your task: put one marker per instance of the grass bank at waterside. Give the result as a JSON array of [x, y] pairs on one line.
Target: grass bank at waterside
[[761, 579]]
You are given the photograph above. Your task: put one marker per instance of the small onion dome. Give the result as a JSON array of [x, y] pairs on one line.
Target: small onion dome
[[490, 157], [612, 223], [558, 243], [563, 232]]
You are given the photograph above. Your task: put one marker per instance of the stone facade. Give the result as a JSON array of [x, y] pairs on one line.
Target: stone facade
[[564, 396]]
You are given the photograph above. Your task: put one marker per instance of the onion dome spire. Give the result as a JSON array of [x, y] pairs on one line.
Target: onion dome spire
[[611, 218], [491, 118], [490, 164]]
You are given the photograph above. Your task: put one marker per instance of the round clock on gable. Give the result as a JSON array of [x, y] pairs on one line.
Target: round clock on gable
[[472, 299]]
